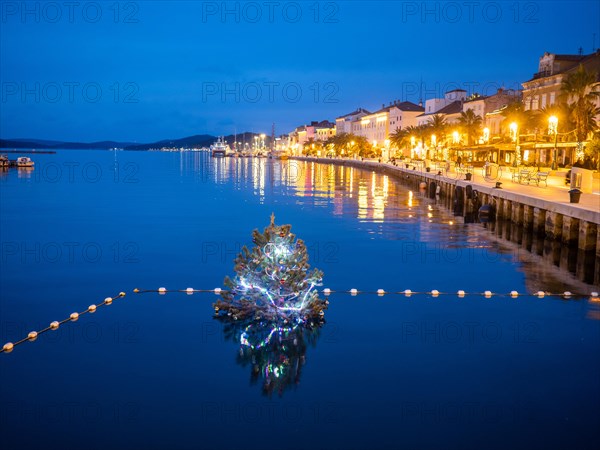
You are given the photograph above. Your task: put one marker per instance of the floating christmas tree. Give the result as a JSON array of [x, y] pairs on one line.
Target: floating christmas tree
[[273, 281]]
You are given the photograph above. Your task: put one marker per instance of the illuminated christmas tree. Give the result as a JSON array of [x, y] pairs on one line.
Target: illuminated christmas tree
[[273, 281]]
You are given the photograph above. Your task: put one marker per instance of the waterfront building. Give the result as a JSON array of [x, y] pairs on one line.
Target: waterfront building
[[434, 105], [450, 107], [316, 131], [377, 126], [543, 89], [343, 124], [482, 105], [450, 112]]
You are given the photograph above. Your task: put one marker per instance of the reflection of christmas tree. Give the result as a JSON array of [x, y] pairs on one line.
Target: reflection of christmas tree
[[272, 281], [276, 353]]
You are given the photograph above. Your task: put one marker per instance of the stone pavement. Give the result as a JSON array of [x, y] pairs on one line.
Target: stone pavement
[[556, 191]]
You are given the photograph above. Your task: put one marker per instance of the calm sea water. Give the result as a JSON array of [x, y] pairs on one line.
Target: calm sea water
[[156, 371]]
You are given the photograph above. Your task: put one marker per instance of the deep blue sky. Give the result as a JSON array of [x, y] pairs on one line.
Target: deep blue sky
[[154, 70]]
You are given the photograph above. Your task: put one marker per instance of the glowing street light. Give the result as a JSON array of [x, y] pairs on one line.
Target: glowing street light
[[486, 135], [455, 137], [514, 132], [553, 129], [262, 137]]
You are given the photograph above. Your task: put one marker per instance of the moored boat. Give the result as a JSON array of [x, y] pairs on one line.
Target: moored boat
[[219, 148], [24, 161]]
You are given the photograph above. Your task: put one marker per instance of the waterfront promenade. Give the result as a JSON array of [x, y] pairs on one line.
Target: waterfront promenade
[[553, 197]]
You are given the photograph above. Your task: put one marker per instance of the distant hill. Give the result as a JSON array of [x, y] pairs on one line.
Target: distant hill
[[198, 140], [38, 141], [53, 145]]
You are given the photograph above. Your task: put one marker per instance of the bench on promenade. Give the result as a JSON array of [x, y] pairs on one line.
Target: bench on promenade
[[520, 176], [525, 176], [539, 177]]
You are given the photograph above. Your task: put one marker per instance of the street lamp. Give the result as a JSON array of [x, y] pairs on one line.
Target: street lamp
[[514, 131], [486, 135], [455, 137], [553, 129]]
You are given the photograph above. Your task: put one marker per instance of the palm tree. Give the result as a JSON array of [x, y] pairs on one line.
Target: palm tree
[[582, 88], [471, 124], [311, 146], [515, 112], [421, 133], [437, 125], [400, 138]]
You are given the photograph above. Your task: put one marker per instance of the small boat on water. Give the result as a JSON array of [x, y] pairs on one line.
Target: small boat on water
[[24, 161], [220, 148], [278, 154], [4, 162]]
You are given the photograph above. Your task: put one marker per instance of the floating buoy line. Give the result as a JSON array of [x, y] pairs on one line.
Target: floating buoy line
[[406, 293], [73, 317]]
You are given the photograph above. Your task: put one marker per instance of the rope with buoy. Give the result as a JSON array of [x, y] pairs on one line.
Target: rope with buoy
[[73, 317], [407, 293]]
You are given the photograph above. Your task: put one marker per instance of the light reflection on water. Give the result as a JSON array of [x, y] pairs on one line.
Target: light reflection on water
[[165, 374], [381, 205]]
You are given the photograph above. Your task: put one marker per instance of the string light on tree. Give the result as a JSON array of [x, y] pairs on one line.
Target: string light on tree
[[272, 281]]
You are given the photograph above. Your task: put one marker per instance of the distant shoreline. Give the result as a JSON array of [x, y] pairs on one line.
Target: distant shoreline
[[47, 152]]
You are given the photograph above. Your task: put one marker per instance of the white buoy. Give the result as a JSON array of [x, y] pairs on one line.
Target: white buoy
[[108, 300], [487, 294], [594, 295], [407, 292], [380, 292], [435, 293], [189, 291], [122, 294], [461, 293], [540, 294], [567, 294], [8, 347], [326, 291], [353, 291], [162, 290], [92, 308], [32, 336], [74, 316], [54, 325], [217, 291], [514, 294]]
